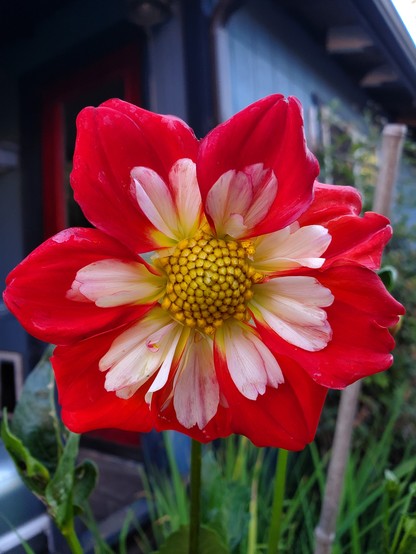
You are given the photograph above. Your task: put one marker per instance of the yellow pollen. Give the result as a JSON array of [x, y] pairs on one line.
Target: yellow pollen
[[208, 281]]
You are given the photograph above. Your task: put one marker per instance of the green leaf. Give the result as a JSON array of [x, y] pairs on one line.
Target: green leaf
[[26, 547], [35, 421], [412, 489], [225, 502], [209, 542], [391, 483], [85, 479], [388, 274], [33, 473], [60, 489], [410, 525]]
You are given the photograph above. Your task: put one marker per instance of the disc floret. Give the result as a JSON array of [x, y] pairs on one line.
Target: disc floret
[[208, 281]]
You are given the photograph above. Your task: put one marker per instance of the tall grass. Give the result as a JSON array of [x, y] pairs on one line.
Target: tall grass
[[377, 506]]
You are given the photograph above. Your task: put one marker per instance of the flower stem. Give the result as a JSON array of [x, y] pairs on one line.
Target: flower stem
[[72, 539], [253, 523], [194, 519], [278, 497]]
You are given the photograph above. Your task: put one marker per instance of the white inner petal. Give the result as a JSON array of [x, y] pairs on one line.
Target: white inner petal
[[187, 196], [240, 200], [139, 352], [251, 364], [196, 389], [112, 282], [176, 211], [155, 199], [263, 183], [163, 373], [293, 308], [291, 247]]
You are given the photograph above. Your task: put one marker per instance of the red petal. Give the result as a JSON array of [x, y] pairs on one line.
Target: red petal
[[37, 288], [329, 202], [269, 131], [286, 417], [218, 427], [113, 139], [86, 405], [359, 317], [358, 239], [354, 238], [167, 138]]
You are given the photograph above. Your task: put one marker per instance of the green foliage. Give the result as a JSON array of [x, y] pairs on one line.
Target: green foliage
[[85, 481], [168, 501], [229, 495], [33, 473], [45, 453], [389, 275], [26, 547], [377, 506], [178, 542], [59, 490], [34, 420], [348, 154]]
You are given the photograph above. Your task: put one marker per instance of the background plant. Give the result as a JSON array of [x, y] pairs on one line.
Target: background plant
[[377, 508]]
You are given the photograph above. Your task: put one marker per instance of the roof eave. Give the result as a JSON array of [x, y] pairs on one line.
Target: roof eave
[[385, 25]]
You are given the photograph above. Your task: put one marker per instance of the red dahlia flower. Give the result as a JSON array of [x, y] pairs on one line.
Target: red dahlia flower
[[223, 289]]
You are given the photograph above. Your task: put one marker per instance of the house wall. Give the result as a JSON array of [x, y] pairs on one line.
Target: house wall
[[266, 51], [166, 72]]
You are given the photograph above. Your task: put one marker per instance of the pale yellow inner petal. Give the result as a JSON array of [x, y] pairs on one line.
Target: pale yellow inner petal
[[113, 282], [294, 308], [240, 200], [291, 247]]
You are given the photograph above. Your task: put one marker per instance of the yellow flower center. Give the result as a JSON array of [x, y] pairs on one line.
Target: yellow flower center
[[209, 281]]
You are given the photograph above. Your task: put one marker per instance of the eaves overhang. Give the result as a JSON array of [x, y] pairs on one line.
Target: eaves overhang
[[384, 24], [369, 42]]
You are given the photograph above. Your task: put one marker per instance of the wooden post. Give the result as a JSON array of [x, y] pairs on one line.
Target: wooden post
[[391, 149]]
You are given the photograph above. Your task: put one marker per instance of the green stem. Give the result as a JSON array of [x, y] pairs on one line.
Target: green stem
[[278, 497], [72, 539], [194, 517], [386, 521], [178, 484], [404, 510], [90, 522], [239, 473], [253, 509]]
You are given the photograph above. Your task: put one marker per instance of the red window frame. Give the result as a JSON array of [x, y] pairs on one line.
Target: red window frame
[[122, 64]]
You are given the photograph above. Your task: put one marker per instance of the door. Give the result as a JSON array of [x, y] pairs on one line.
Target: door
[[115, 76]]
